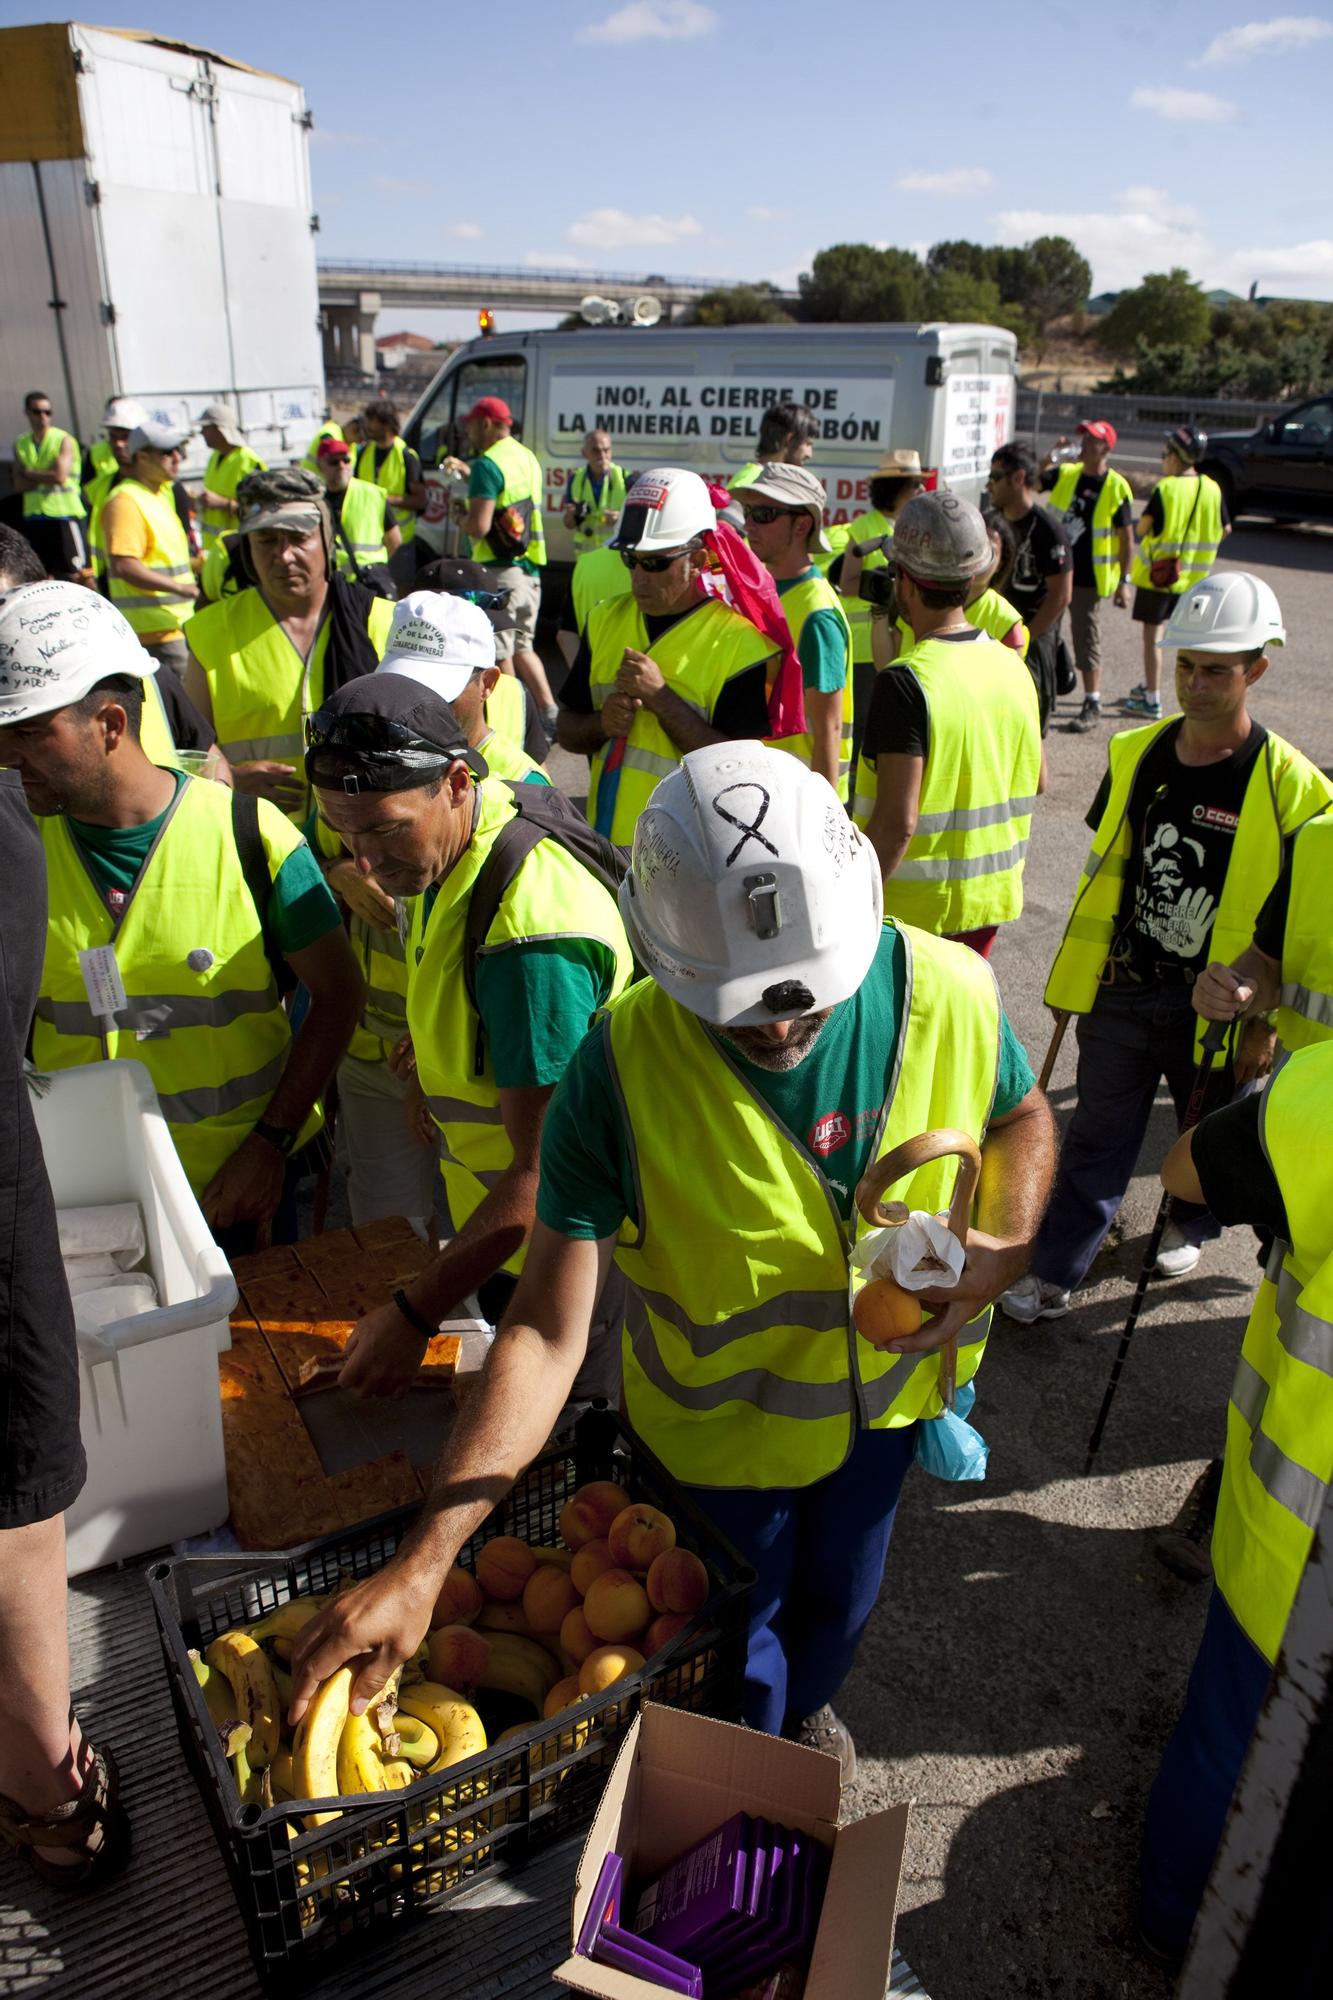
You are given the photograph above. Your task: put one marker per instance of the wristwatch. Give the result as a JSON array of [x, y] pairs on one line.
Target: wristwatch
[[281, 1137], [416, 1320]]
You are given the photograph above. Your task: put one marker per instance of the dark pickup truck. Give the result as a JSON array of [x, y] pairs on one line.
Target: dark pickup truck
[[1283, 470]]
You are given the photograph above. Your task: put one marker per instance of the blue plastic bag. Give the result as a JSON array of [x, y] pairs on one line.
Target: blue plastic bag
[[948, 1447]]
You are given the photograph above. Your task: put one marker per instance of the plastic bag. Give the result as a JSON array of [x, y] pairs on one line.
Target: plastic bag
[[947, 1446], [918, 1253]]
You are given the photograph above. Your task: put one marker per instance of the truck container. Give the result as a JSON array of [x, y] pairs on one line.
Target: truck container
[[694, 396], [156, 236]]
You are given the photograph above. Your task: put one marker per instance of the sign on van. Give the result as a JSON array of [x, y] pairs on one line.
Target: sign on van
[[978, 419], [723, 409]]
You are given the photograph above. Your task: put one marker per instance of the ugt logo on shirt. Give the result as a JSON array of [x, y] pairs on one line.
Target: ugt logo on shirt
[[834, 1129]]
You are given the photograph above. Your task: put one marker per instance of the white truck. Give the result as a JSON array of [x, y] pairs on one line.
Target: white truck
[[156, 237], [694, 396]]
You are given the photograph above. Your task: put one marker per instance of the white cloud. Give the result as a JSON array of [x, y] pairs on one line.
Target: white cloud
[[1299, 263], [1185, 107], [390, 184], [762, 214], [550, 260], [653, 21], [1156, 202], [320, 137], [467, 232], [955, 180], [1120, 246], [1261, 38], [613, 229]]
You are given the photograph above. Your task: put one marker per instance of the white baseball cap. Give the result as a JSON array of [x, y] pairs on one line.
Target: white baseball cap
[[439, 641], [57, 641]]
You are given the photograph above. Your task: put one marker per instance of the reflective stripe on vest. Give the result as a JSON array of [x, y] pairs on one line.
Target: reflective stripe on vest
[[740, 1364], [1284, 791], [362, 527], [599, 574], [168, 553], [56, 503], [698, 655], [214, 1041], [390, 477], [815, 593], [603, 514], [1115, 491], [1305, 1011], [964, 863], [523, 480], [1279, 1456], [1191, 532], [552, 896], [260, 688], [222, 475]]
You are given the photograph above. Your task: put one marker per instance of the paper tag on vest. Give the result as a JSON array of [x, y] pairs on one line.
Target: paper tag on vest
[[102, 981]]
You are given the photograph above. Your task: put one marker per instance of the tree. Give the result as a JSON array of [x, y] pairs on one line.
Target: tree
[[1048, 277], [742, 305], [962, 259], [855, 281], [1166, 310]]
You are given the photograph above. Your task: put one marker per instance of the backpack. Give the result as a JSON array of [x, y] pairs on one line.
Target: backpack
[[254, 866], [543, 814], [510, 532]]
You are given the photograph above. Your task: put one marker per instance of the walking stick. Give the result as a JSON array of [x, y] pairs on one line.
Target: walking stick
[[894, 1166], [1053, 1052], [1212, 1043]]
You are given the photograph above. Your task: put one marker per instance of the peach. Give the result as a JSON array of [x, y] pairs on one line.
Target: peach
[[882, 1311], [606, 1666], [589, 1512], [677, 1581], [459, 1601], [504, 1566], [589, 1562], [616, 1606], [663, 1630], [577, 1638], [563, 1695], [458, 1656], [547, 1595], [639, 1535]]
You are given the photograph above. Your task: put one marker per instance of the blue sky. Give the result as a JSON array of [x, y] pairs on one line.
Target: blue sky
[[735, 139]]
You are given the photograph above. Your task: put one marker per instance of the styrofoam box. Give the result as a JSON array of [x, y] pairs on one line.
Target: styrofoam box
[[151, 1417]]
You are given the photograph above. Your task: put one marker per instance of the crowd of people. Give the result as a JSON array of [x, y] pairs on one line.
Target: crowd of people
[[625, 1067]]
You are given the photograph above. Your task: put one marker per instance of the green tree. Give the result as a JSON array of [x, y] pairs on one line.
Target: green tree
[[962, 259], [742, 305], [855, 281], [1048, 277], [1167, 309]]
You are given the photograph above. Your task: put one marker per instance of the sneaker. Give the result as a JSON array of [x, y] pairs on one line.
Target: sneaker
[[1033, 1299], [550, 716], [1142, 703], [827, 1732], [1088, 717], [1177, 1256]]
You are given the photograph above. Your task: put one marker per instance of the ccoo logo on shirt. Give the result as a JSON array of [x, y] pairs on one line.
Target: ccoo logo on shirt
[[829, 1132]]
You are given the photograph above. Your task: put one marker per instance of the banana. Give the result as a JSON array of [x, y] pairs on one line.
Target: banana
[[315, 1749], [559, 1558], [454, 1721], [283, 1681], [234, 1737], [359, 1763], [417, 1741], [520, 1667], [248, 1671], [282, 1781], [286, 1620], [398, 1774], [249, 1781], [218, 1697]]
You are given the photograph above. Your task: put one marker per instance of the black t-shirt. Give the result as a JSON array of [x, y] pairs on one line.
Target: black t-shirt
[[742, 706], [189, 729], [899, 720], [1078, 521], [1043, 551], [1182, 821], [1238, 1183]]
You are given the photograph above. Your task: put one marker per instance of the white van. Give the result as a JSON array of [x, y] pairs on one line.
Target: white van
[[694, 395]]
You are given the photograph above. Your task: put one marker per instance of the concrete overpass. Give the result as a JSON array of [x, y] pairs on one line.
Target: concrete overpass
[[351, 294]]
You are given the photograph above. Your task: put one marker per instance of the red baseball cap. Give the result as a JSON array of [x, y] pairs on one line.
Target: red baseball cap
[[332, 448], [1106, 432], [494, 407]]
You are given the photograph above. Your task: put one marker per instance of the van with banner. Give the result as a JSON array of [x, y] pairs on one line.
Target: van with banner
[[695, 395]]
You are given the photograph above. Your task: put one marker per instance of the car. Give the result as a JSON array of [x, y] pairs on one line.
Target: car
[[1284, 469]]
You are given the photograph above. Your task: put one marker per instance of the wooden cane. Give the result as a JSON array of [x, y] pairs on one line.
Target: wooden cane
[[1053, 1051], [895, 1166]]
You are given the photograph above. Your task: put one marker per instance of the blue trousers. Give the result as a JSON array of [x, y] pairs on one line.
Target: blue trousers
[[1132, 1038], [1192, 1791], [818, 1553]]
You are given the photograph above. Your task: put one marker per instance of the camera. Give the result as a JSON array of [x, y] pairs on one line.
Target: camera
[[879, 590], [582, 509]]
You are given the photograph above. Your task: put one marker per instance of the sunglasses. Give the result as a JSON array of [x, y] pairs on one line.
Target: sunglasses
[[39, 409], [653, 565], [374, 736], [763, 517]]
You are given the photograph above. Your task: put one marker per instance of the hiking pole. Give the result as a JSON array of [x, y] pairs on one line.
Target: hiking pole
[[1212, 1043], [1053, 1052]]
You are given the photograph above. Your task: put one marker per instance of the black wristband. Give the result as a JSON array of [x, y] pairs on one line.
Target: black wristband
[[281, 1137], [414, 1318]]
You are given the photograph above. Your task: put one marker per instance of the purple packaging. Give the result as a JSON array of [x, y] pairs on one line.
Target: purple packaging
[[625, 1953], [791, 1936], [705, 1888], [605, 1904]]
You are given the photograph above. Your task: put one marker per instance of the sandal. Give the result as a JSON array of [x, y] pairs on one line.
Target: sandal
[[95, 1821]]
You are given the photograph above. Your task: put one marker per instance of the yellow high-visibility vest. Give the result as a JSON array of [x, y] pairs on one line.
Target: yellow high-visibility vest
[[222, 475], [1305, 1008], [328, 429], [523, 481], [603, 514], [362, 523], [1191, 531], [990, 613], [56, 503], [871, 526], [598, 574], [152, 611], [391, 477], [1114, 492], [507, 709]]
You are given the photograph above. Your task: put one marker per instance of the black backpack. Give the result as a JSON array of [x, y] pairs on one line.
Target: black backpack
[[543, 813]]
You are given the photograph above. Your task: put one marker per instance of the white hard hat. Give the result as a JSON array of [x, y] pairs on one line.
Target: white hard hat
[[751, 896], [1228, 612], [57, 640], [122, 413], [664, 509]]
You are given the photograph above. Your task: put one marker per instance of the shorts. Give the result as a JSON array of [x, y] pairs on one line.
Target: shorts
[[1153, 607], [525, 601], [389, 1171]]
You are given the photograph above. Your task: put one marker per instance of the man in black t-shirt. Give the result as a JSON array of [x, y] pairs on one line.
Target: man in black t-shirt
[[1096, 505], [1042, 576]]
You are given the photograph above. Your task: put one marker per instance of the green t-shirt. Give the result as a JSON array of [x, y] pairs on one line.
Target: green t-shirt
[[831, 1102], [301, 908], [486, 481], [822, 646]]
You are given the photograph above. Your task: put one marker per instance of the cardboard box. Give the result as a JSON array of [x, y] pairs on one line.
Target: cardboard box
[[679, 1776]]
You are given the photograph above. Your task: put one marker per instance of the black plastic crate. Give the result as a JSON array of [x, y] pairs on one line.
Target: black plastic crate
[[306, 1896]]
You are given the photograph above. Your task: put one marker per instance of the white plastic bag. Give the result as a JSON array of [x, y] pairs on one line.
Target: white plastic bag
[[919, 1253]]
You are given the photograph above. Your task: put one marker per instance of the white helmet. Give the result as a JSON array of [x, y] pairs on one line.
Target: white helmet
[[57, 640], [665, 509], [1228, 612], [122, 413], [751, 897]]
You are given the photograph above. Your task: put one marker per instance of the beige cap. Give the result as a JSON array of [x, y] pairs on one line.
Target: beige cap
[[226, 420], [899, 464], [792, 486]]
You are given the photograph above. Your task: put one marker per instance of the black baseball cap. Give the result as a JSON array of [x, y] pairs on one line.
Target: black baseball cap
[[385, 733], [460, 578]]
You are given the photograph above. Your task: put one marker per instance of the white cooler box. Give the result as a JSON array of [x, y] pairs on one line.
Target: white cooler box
[[151, 1417]]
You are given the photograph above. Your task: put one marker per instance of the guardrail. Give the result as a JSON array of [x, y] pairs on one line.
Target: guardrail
[[1042, 413]]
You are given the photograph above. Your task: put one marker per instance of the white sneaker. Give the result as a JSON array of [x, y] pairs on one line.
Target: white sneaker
[[1177, 1256], [1033, 1299]]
